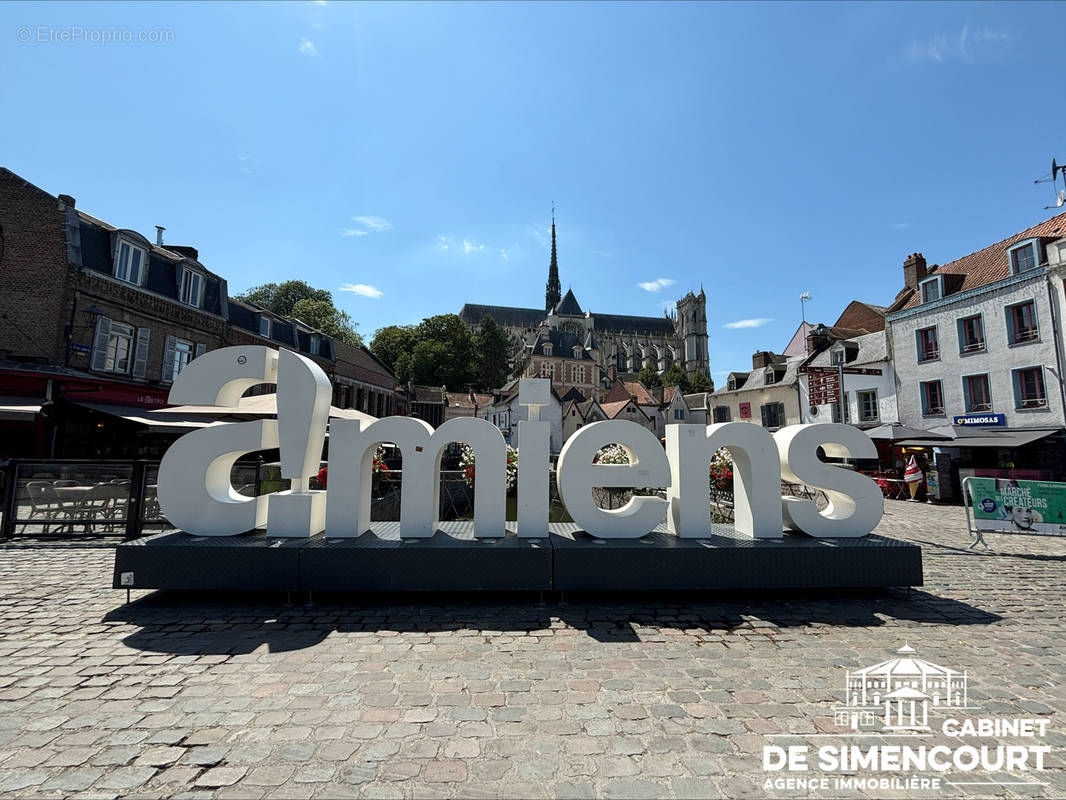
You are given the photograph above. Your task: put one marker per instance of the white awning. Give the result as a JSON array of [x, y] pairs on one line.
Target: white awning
[[171, 423], [260, 405], [19, 409]]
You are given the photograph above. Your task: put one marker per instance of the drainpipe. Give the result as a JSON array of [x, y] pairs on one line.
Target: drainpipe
[[1058, 344]]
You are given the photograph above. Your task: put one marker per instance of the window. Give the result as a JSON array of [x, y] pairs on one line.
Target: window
[[1021, 323], [264, 326], [928, 347], [932, 288], [129, 263], [1023, 258], [192, 288], [976, 394], [847, 410], [119, 348], [577, 374], [721, 414], [837, 357], [547, 349], [768, 376], [971, 334], [316, 344], [932, 398], [868, 405], [1029, 388], [547, 369], [773, 415], [679, 415]]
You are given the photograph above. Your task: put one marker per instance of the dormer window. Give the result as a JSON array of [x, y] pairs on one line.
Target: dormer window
[[932, 288], [837, 357], [547, 348], [264, 326], [316, 344], [191, 292], [768, 376], [129, 263], [1023, 256], [731, 384]]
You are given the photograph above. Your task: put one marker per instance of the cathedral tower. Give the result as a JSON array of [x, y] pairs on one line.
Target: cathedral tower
[[554, 291], [692, 331]]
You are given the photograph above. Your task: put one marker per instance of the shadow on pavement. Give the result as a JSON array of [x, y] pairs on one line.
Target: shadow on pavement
[[212, 623]]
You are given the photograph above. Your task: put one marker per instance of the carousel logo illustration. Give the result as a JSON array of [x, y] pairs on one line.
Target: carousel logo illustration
[[897, 695]]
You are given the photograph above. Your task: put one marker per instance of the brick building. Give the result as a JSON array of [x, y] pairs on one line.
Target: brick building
[[99, 320]]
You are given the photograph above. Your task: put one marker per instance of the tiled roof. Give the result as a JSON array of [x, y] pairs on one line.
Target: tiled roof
[[569, 305], [467, 400], [862, 316], [429, 394], [872, 349], [639, 393], [612, 409], [563, 344], [472, 314], [669, 392], [757, 378], [988, 265], [621, 323], [618, 392]]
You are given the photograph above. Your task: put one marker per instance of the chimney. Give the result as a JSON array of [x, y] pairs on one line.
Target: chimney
[[913, 270], [817, 339], [66, 200], [762, 359], [185, 250], [159, 235]]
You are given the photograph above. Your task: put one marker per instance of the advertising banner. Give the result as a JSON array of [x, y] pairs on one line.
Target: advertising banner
[[1007, 505]]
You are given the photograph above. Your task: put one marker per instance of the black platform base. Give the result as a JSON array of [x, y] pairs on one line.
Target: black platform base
[[567, 560]]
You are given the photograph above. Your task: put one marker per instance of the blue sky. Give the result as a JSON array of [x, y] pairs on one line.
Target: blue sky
[[412, 152]]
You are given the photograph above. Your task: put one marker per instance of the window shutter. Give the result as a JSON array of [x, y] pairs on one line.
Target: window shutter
[[168, 360], [763, 411], [200, 350], [100, 341], [140, 354]]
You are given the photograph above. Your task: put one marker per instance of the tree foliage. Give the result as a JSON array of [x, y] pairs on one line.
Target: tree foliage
[[649, 377], [493, 354], [700, 383], [309, 305], [675, 375], [439, 350]]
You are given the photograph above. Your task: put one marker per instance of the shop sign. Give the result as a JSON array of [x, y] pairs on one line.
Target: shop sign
[[745, 410], [196, 494], [980, 420], [78, 347]]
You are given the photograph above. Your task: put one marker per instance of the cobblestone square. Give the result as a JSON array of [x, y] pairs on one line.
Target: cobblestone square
[[241, 696]]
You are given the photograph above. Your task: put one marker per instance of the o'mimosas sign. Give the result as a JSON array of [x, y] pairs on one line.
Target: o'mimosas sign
[[196, 494]]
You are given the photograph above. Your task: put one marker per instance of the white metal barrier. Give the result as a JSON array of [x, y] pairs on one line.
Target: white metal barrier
[[1031, 508]]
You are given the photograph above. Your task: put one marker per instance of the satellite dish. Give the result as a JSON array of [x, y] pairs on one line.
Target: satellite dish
[[1054, 169], [1061, 199]]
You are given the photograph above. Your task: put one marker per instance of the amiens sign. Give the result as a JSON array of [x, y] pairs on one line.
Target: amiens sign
[[196, 495]]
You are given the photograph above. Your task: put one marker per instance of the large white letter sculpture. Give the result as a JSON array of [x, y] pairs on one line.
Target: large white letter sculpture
[[756, 478], [352, 447], [856, 505], [303, 411], [195, 492], [578, 476], [534, 450]]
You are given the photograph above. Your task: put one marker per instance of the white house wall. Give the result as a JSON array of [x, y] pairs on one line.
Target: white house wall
[[997, 360]]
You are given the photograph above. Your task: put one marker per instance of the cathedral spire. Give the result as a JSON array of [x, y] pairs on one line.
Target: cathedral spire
[[554, 291]]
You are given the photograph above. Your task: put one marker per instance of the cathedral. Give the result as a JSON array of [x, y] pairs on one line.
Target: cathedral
[[589, 351]]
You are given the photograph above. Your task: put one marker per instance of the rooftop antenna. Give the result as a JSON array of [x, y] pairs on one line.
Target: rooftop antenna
[[1056, 170], [804, 299]]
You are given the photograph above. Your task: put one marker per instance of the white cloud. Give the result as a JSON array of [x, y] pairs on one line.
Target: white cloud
[[367, 224], [756, 322], [471, 247], [657, 284], [901, 226], [362, 289], [465, 246], [966, 45], [307, 47], [504, 255]]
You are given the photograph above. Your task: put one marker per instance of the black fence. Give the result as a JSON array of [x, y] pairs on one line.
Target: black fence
[[118, 498]]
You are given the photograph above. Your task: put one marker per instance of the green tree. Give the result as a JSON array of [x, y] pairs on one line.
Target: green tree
[[331, 321], [700, 383], [493, 355], [393, 341], [281, 298], [649, 377], [454, 359], [675, 375]]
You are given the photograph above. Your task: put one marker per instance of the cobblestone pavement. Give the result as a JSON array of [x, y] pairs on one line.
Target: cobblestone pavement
[[614, 697]]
